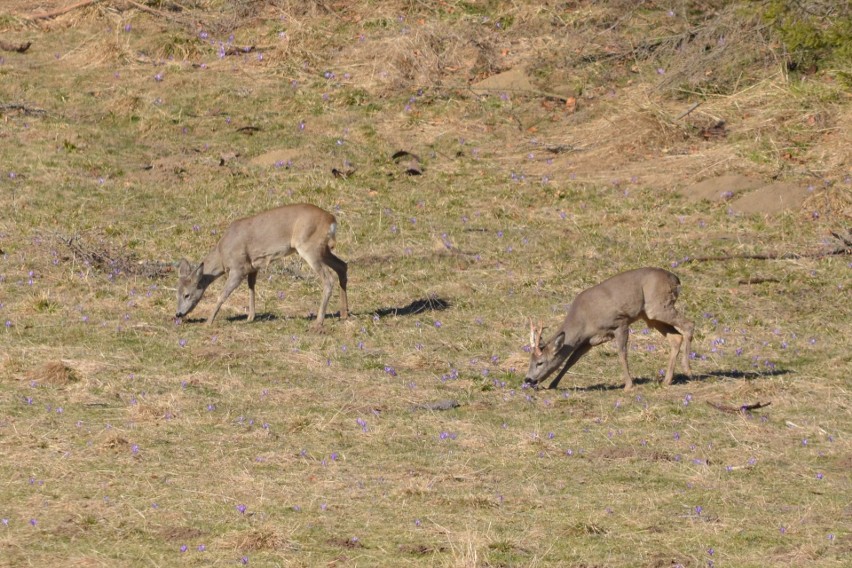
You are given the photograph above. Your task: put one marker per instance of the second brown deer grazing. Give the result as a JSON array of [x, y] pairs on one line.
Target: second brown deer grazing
[[251, 243], [605, 312]]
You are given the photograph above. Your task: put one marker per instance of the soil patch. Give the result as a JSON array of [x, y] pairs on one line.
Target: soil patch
[[773, 198], [721, 188], [511, 80], [282, 157]]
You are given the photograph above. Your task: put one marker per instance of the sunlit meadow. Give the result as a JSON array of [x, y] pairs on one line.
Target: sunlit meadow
[[131, 134]]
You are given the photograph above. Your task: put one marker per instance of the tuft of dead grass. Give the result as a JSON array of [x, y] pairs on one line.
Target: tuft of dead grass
[[262, 538], [54, 373], [105, 258], [718, 56]]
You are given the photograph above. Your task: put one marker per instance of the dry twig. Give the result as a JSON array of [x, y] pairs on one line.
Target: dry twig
[[60, 11], [744, 409], [23, 108], [104, 260], [845, 248]]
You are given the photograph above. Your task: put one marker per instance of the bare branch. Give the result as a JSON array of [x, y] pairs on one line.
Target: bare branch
[[837, 251], [743, 409], [60, 11], [687, 111], [21, 107]]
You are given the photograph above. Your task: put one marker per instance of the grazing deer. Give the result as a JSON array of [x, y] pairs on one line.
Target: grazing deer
[[605, 312], [251, 243]]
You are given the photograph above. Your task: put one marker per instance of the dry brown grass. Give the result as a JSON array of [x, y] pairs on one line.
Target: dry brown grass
[[265, 441], [54, 373]]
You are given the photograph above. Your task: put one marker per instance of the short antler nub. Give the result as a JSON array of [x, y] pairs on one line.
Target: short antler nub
[[535, 338]]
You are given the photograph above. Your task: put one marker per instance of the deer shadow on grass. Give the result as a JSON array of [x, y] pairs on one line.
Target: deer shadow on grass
[[682, 379], [747, 375], [414, 307], [618, 385], [259, 317], [268, 316], [236, 317], [419, 306]]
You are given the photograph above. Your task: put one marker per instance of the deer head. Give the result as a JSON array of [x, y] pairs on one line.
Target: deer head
[[190, 287], [544, 359]]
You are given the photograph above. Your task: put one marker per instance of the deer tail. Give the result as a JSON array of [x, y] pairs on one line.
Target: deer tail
[[332, 233]]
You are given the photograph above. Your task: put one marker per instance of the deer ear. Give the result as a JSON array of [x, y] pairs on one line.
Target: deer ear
[[184, 268], [196, 274], [559, 341]]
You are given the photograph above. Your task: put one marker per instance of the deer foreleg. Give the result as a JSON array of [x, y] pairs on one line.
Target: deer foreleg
[[573, 358]]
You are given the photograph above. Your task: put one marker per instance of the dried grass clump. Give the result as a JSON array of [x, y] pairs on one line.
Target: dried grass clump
[[262, 538], [115, 442], [716, 57], [56, 373], [11, 366], [102, 257], [429, 55], [147, 412], [834, 200]]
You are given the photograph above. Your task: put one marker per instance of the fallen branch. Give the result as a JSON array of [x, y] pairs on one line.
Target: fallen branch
[[60, 11], [846, 240], [516, 90], [172, 7], [436, 406], [845, 248], [23, 108], [688, 111], [560, 148], [233, 50], [148, 9], [19, 47], [106, 261], [757, 280], [770, 255], [744, 409]]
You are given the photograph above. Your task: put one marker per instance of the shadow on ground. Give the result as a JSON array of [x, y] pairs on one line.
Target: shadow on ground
[[681, 379], [415, 307]]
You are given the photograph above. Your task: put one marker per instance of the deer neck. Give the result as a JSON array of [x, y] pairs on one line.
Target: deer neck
[[570, 342], [213, 265]]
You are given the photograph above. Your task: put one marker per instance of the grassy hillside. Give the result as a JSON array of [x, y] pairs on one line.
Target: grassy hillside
[[557, 143]]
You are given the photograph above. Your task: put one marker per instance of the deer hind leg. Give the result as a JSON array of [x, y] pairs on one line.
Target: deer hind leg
[[341, 269], [668, 317], [686, 328], [234, 279], [621, 334], [315, 262], [251, 279], [675, 338]]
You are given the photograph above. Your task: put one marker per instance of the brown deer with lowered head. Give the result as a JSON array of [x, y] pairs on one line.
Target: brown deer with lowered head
[[605, 312], [251, 243]]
